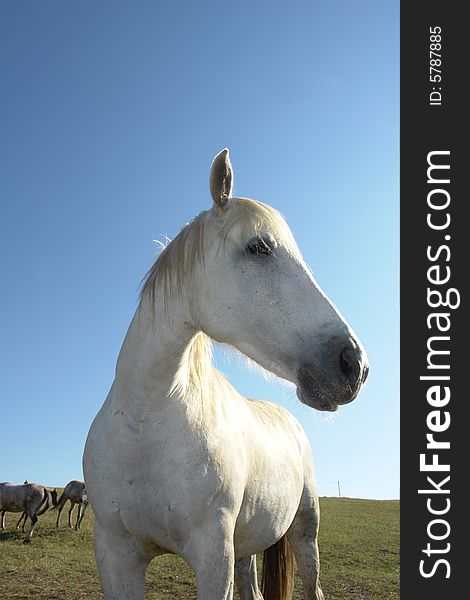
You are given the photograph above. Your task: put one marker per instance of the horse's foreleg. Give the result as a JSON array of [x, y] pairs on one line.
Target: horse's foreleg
[[83, 508], [2, 520], [215, 575], [246, 579], [210, 553], [302, 536], [79, 512], [29, 535], [121, 565]]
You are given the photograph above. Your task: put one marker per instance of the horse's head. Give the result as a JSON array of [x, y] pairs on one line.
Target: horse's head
[[53, 494], [260, 297]]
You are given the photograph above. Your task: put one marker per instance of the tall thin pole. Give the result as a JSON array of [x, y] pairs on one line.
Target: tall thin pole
[[339, 490]]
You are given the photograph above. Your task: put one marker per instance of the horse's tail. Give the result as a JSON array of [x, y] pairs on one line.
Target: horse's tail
[[48, 500], [277, 579], [44, 505]]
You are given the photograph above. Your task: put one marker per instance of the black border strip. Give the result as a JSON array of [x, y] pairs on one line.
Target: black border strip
[[425, 128]]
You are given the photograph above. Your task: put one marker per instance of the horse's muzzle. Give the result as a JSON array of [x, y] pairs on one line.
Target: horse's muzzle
[[325, 389]]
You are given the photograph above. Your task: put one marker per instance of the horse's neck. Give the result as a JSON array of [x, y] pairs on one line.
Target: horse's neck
[[152, 353]]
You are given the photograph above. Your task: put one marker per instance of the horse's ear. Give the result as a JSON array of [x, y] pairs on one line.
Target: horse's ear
[[221, 181]]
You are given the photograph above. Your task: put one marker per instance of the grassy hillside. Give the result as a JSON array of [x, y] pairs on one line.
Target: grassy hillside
[[359, 546]]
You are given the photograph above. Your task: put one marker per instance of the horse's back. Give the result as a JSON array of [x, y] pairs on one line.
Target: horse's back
[[17, 498], [275, 431], [275, 417]]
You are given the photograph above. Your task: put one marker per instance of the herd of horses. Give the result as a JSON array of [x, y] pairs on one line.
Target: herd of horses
[[32, 500]]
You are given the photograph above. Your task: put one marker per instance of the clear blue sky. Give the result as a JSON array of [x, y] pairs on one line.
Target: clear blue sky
[[111, 112]]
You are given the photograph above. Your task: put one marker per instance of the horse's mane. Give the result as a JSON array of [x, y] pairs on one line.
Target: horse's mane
[[174, 268]]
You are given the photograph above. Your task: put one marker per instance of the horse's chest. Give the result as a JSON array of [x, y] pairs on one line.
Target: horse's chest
[[159, 484]]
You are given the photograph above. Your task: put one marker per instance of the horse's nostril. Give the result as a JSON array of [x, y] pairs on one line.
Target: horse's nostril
[[346, 362], [352, 366]]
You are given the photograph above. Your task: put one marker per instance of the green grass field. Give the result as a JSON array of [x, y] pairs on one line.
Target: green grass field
[[359, 552]]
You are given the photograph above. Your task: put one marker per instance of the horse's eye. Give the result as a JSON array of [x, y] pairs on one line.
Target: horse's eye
[[259, 246]]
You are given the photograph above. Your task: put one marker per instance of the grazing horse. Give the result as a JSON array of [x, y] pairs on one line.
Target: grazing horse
[[50, 503], [76, 493], [31, 498], [177, 461]]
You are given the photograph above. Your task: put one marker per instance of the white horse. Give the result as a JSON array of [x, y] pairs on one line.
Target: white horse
[[177, 461]]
